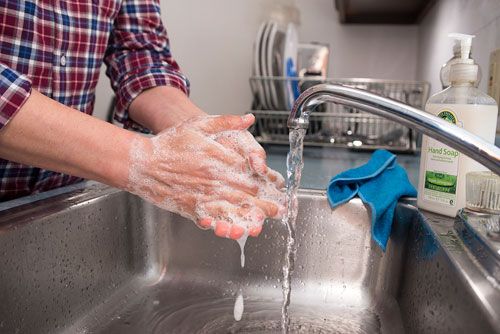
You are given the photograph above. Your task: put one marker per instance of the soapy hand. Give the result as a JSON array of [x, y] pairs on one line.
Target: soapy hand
[[210, 170]]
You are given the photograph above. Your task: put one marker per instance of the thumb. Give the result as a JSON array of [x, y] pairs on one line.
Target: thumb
[[215, 124]]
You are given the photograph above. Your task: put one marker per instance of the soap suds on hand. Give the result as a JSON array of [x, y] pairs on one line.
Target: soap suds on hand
[[194, 182]]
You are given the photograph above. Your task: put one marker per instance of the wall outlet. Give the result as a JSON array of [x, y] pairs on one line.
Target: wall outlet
[[494, 79]]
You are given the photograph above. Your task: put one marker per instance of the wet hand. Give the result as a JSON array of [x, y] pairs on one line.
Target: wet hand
[[210, 170]]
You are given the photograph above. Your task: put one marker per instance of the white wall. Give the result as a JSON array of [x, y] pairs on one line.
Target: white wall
[[213, 41], [477, 17]]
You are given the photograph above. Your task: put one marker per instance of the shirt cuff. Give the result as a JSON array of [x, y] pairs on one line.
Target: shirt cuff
[[135, 85], [15, 89]]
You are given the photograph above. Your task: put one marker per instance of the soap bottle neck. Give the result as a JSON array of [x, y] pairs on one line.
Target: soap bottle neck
[[462, 84]]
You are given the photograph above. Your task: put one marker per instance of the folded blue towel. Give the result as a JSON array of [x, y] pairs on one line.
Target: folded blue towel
[[379, 183]]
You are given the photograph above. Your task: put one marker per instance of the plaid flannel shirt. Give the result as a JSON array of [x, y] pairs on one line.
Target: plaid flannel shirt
[[57, 48]]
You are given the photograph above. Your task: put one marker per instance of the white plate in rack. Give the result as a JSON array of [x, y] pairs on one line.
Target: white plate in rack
[[290, 64], [257, 66], [271, 66], [263, 66], [278, 67]]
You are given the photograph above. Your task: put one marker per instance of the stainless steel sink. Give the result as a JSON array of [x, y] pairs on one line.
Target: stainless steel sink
[[99, 260]]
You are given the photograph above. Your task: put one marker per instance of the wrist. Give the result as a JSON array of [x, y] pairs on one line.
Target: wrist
[[162, 107], [117, 161]]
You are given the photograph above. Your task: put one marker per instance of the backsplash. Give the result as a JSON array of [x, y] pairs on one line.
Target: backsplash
[[477, 17]]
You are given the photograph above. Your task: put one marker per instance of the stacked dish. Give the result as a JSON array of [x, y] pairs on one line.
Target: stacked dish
[[275, 63]]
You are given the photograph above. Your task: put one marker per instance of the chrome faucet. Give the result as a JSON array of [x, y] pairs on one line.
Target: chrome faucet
[[465, 142]]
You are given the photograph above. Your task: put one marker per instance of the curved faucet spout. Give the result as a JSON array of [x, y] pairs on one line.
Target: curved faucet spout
[[451, 135]]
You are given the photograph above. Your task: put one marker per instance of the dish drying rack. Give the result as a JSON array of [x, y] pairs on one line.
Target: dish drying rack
[[336, 125]]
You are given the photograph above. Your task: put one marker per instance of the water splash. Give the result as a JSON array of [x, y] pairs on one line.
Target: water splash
[[294, 170], [238, 307]]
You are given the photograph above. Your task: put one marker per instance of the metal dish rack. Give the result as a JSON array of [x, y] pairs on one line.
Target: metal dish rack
[[334, 124]]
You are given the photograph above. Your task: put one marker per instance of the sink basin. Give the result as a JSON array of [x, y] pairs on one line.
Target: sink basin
[[99, 260]]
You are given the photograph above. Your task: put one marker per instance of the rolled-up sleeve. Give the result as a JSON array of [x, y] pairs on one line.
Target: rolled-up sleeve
[[15, 89], [139, 57]]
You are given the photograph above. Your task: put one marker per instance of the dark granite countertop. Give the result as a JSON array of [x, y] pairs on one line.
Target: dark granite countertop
[[322, 163]]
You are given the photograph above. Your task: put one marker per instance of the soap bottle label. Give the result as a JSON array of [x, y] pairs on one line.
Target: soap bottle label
[[441, 168]]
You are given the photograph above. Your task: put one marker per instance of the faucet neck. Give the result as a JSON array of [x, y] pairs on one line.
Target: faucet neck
[[465, 142]]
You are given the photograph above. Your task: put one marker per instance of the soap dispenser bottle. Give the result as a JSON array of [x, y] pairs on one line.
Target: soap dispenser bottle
[[443, 169]]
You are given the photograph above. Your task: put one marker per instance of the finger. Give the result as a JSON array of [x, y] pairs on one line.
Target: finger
[[240, 184], [227, 156], [242, 216], [271, 203], [270, 209], [205, 223], [275, 178], [215, 210], [257, 161], [236, 232], [217, 124], [255, 153], [271, 193], [281, 212], [226, 212], [243, 200], [222, 229], [256, 220], [247, 147], [254, 231], [231, 176], [274, 195], [226, 230], [252, 147]]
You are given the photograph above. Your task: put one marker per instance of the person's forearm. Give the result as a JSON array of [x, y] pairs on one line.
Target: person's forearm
[[162, 107], [49, 135]]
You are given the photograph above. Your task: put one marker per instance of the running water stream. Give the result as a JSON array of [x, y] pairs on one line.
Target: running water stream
[[294, 165], [294, 169]]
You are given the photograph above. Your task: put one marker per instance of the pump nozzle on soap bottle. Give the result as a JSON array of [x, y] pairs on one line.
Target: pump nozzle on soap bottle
[[461, 55], [465, 45]]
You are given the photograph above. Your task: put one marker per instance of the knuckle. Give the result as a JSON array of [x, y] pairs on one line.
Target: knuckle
[[272, 210], [227, 121]]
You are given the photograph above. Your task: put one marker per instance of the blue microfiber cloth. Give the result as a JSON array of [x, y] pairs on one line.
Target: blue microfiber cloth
[[379, 183]]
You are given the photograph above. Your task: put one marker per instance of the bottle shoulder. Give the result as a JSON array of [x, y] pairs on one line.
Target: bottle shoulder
[[462, 95]]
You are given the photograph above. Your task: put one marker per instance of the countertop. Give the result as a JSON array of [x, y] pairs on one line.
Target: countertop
[[322, 163]]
